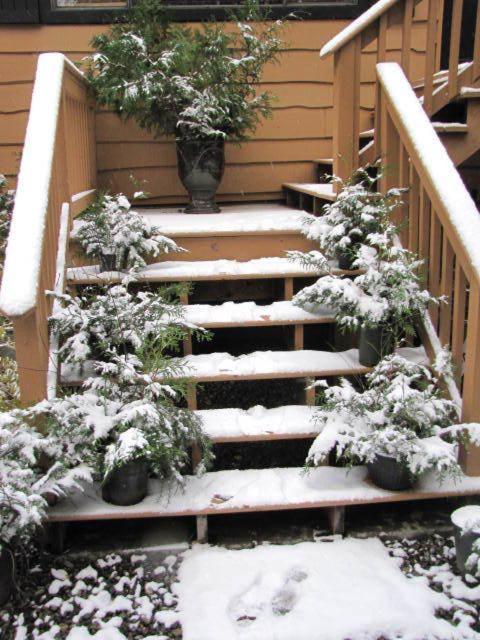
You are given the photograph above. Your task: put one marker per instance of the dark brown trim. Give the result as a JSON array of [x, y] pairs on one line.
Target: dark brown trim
[[310, 10], [19, 12]]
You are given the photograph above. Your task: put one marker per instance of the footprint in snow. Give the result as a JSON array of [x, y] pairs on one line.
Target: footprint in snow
[[285, 599]]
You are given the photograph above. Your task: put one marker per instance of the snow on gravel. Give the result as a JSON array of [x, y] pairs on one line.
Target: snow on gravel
[[332, 590], [112, 598]]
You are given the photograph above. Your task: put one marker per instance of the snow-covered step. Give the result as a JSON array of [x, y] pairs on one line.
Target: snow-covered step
[[470, 92], [440, 127], [263, 365], [250, 314], [183, 270], [317, 190], [259, 423], [255, 490], [237, 220]]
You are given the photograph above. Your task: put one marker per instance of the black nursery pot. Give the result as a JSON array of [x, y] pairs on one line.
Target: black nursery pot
[[345, 260], [7, 573], [201, 164], [374, 344], [110, 262], [127, 484], [387, 473]]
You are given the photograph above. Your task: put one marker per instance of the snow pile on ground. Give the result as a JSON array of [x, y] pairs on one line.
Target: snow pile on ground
[[330, 590]]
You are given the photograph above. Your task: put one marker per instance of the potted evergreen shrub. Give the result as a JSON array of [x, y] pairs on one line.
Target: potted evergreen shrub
[[400, 426], [197, 84], [126, 468], [384, 301], [360, 215], [466, 522], [119, 237]]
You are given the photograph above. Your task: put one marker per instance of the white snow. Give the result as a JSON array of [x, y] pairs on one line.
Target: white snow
[[255, 489], [235, 220], [265, 364], [206, 315], [224, 424], [262, 365], [467, 518], [459, 210], [19, 290], [198, 270], [319, 189], [330, 590]]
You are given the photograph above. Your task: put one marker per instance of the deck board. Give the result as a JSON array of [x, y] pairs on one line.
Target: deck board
[[256, 490]]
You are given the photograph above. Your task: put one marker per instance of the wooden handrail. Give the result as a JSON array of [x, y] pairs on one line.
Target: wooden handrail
[[58, 161], [375, 25], [374, 13], [442, 224]]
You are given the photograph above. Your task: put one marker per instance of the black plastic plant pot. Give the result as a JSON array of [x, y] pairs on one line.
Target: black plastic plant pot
[[7, 575], [126, 485], [111, 262], [387, 473], [201, 164], [345, 260], [108, 262], [375, 343]]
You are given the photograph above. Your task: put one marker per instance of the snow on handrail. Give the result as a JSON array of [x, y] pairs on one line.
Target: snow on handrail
[[443, 181], [18, 294], [357, 26]]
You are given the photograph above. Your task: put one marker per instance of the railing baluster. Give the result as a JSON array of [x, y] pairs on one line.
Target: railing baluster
[[424, 228], [476, 46], [446, 288], [454, 48], [458, 321], [408, 7], [434, 266], [413, 211], [346, 108], [430, 55]]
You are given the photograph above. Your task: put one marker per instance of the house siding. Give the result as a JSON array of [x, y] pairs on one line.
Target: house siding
[[281, 150]]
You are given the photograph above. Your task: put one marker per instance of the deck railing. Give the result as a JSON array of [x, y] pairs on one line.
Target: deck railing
[[442, 224], [58, 166], [376, 25]]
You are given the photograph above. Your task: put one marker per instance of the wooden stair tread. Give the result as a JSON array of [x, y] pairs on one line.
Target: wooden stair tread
[[250, 314], [255, 490], [258, 423], [251, 219], [262, 365], [323, 160], [318, 190], [440, 127], [470, 92], [197, 270]]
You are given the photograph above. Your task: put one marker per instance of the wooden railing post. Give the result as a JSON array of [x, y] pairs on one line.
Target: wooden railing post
[[346, 108], [470, 457], [31, 349]]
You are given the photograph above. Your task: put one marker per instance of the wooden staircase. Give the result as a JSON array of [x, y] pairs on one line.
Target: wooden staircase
[[223, 491], [243, 281]]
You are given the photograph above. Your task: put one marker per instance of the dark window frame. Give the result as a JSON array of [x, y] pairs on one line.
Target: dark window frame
[[307, 11]]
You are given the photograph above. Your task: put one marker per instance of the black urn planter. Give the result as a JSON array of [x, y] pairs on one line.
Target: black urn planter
[[7, 575], [201, 164], [374, 344], [387, 473], [464, 541], [127, 484]]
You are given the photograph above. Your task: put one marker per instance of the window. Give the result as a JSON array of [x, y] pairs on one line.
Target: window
[[107, 11]]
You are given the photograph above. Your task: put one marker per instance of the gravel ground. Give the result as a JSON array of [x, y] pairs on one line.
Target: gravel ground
[[128, 596]]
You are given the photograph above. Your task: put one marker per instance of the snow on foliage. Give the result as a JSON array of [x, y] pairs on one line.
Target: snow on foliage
[[401, 414], [359, 216], [110, 228], [114, 321], [6, 208], [191, 83]]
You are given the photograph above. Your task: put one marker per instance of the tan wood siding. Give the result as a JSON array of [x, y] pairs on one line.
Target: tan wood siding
[[282, 149]]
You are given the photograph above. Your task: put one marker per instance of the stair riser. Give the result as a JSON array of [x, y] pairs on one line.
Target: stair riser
[[247, 247]]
